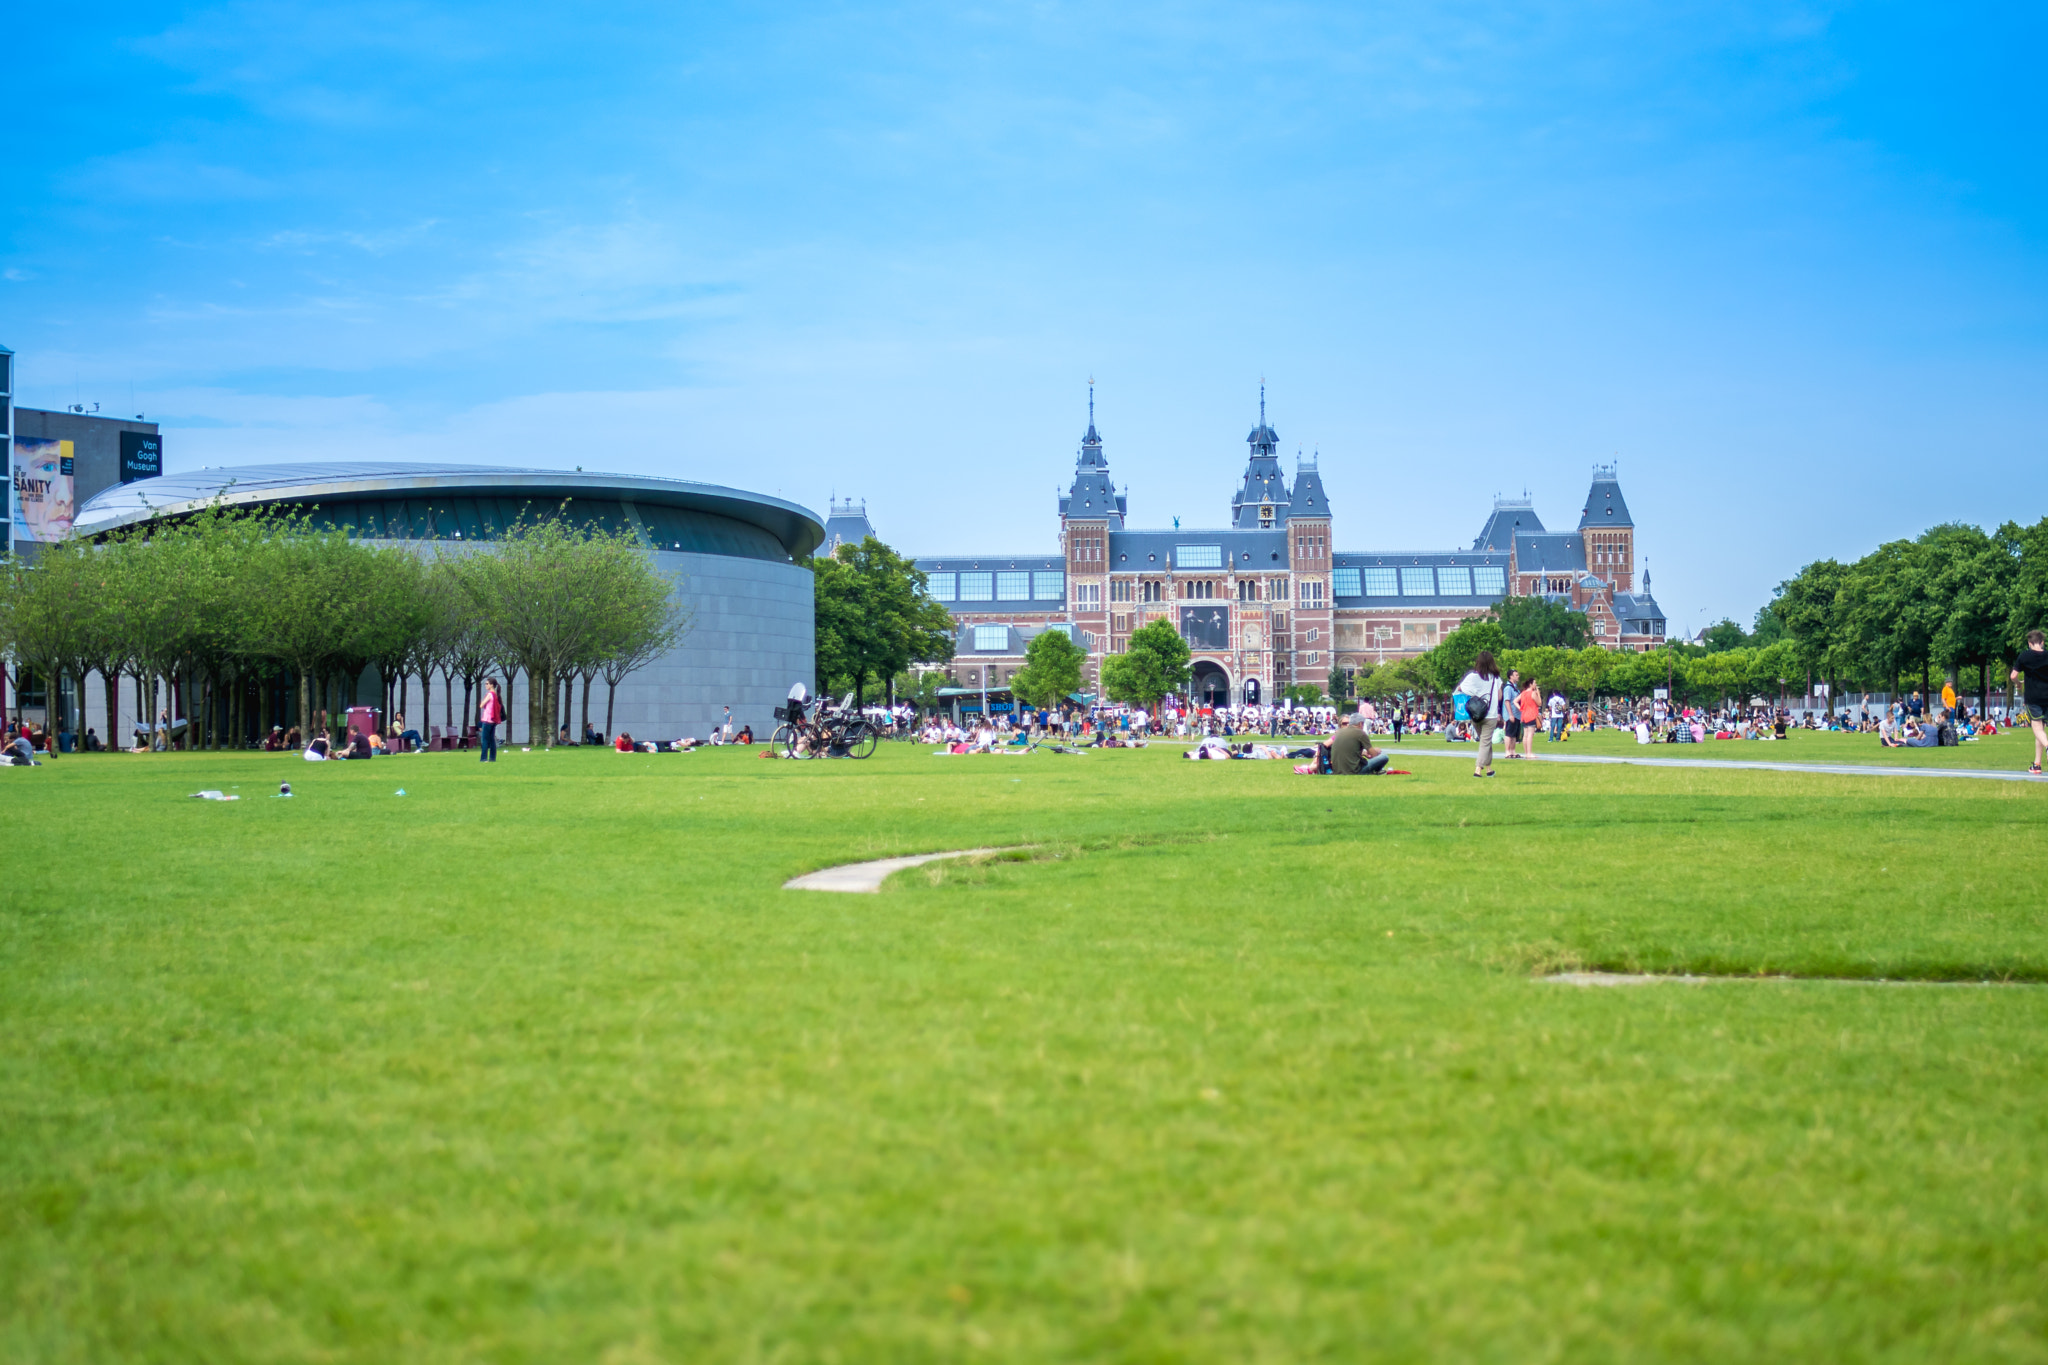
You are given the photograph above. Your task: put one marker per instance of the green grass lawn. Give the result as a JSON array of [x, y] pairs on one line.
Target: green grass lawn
[[2010, 749], [539, 1063]]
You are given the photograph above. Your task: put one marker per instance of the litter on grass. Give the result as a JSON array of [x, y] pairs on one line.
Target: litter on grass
[[211, 795]]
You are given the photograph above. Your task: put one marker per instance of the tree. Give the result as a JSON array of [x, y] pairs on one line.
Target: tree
[[1303, 694], [1975, 578], [1527, 622], [1154, 664], [1453, 656], [1724, 634], [645, 620], [875, 617], [1052, 669], [920, 687], [1343, 684]]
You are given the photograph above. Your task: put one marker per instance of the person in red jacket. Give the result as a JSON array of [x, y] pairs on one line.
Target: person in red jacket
[[490, 713]]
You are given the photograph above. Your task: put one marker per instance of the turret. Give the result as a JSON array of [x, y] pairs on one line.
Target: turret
[[1609, 531], [1262, 500]]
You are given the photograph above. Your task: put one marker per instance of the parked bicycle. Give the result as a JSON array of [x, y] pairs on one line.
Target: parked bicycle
[[822, 729]]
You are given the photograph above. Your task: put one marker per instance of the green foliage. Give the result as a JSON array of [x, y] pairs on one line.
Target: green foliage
[[920, 687], [1527, 622], [1724, 634], [1452, 658], [1303, 694], [1052, 669], [1154, 664], [1343, 684], [875, 617]]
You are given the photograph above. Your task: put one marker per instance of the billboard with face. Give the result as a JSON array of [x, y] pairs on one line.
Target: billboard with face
[[1205, 627], [42, 490]]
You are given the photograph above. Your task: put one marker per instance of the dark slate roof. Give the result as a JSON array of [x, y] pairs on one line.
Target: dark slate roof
[[1636, 606], [953, 562], [1604, 505], [1511, 517], [1550, 553], [1244, 551], [1263, 483], [1309, 499], [847, 523], [1092, 494]]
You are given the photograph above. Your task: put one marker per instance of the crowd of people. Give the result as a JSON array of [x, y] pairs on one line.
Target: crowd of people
[[1485, 704]]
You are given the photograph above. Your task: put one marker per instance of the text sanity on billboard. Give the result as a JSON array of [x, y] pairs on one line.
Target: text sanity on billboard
[[43, 496]]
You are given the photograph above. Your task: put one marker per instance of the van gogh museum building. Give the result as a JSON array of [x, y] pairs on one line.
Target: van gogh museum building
[[738, 557], [1267, 599]]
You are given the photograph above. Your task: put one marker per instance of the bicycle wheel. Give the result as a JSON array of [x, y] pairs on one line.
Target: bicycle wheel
[[861, 743], [786, 737]]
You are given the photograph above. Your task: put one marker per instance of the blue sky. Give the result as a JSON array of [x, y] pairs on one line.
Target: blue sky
[[1783, 263]]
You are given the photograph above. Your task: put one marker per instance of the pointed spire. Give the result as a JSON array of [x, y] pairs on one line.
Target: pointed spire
[[1091, 402], [1262, 400]]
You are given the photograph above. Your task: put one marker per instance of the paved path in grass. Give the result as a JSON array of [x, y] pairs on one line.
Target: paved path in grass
[[1847, 769], [870, 876]]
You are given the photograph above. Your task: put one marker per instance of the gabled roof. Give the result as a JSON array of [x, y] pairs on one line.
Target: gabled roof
[[1309, 500], [1511, 517], [1604, 505]]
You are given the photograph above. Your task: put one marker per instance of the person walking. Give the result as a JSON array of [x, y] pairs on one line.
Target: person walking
[[2032, 663], [490, 713], [1482, 689], [1557, 717]]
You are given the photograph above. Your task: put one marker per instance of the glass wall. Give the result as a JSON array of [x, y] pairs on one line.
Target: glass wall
[[486, 518]]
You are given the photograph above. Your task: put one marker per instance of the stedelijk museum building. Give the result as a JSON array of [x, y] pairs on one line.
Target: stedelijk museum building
[[1267, 599], [738, 558]]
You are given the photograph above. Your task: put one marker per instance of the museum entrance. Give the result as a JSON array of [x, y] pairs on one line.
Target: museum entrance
[[1210, 685]]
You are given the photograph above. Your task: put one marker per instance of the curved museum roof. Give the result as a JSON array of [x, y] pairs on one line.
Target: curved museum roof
[[797, 529]]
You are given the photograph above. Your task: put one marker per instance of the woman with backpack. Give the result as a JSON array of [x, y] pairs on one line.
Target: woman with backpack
[[1481, 689]]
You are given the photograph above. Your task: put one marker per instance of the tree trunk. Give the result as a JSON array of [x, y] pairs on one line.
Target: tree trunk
[[583, 722], [611, 694], [112, 683]]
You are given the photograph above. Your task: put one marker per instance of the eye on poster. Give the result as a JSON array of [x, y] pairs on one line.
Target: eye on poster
[[42, 490]]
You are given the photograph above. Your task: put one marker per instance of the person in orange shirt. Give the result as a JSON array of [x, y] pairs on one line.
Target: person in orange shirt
[[1530, 702]]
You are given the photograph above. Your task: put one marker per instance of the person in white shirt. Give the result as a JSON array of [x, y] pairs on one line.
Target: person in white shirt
[[1484, 683]]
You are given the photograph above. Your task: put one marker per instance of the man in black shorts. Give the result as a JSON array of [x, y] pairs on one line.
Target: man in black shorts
[[2032, 663]]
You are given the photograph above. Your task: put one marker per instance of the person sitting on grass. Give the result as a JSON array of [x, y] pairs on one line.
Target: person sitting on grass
[[316, 752], [624, 743], [1352, 753], [358, 743], [745, 736]]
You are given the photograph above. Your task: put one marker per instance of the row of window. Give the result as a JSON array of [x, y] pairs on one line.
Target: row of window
[[1044, 585], [479, 517], [1420, 581]]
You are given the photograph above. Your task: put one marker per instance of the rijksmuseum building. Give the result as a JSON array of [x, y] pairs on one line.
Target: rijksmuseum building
[[1268, 599]]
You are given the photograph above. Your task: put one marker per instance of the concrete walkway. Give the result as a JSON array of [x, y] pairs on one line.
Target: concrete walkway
[[870, 876], [1464, 751], [1642, 979]]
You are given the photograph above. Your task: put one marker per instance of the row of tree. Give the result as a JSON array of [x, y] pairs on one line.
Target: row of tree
[[227, 604], [1955, 600]]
